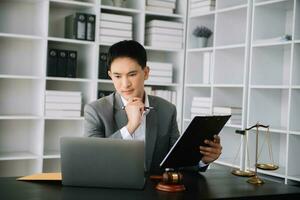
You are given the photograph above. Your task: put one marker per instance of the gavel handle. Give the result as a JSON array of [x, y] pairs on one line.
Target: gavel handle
[[156, 177]]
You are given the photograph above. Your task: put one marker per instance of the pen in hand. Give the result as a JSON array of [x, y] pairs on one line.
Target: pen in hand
[[145, 108]]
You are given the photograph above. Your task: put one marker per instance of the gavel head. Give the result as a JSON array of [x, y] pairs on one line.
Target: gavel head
[[172, 177]]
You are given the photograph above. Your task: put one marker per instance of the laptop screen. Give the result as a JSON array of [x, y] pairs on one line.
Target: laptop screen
[[102, 162]]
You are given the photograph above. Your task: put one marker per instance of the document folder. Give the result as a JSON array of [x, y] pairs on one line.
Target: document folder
[[42, 177], [52, 62], [71, 64], [185, 152], [62, 62], [75, 26], [90, 27]]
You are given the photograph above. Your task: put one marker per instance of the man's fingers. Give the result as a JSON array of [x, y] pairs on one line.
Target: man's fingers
[[136, 99], [204, 153], [217, 139], [136, 103], [211, 143], [212, 156], [210, 150]]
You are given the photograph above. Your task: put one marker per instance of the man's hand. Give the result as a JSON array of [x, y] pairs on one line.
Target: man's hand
[[212, 152], [134, 110]]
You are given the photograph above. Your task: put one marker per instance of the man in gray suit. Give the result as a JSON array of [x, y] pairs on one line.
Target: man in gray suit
[[130, 113]]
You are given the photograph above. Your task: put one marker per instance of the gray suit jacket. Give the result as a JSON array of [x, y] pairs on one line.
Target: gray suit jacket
[[105, 118]]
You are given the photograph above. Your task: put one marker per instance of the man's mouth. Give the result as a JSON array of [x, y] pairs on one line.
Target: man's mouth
[[127, 91]]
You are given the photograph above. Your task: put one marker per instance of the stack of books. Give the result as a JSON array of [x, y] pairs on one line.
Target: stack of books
[[164, 34], [115, 28], [62, 104], [201, 6], [206, 66], [235, 112], [168, 95], [161, 6], [160, 72], [200, 106]]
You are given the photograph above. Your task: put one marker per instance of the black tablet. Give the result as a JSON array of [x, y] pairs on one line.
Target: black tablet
[[185, 152]]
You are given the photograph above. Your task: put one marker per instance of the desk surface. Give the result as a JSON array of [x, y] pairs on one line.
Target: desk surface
[[213, 184]]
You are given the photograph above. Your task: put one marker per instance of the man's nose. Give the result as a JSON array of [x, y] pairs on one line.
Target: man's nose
[[125, 82]]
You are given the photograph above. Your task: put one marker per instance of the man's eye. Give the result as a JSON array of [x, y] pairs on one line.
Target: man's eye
[[117, 76], [132, 74]]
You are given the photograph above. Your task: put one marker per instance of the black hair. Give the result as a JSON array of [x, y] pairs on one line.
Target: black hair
[[127, 48]]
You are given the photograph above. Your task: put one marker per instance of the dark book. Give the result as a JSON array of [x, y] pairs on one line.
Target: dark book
[[75, 26], [52, 62], [103, 93], [71, 64], [103, 69], [62, 62], [90, 27]]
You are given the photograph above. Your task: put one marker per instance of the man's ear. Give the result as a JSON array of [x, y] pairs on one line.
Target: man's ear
[[109, 73], [146, 72]]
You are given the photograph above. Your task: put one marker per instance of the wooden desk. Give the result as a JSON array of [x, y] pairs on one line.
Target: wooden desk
[[213, 184]]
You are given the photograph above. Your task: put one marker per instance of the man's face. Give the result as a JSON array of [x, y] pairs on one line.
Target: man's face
[[128, 77]]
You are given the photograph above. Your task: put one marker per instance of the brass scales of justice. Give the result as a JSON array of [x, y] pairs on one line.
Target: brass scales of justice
[[254, 179]]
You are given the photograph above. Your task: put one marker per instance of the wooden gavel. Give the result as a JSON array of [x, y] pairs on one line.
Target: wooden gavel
[[169, 177]]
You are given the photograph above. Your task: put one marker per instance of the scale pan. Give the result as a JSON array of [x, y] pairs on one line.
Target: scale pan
[[267, 166]]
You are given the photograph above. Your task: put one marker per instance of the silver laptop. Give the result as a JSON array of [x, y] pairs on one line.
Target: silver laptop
[[102, 162]]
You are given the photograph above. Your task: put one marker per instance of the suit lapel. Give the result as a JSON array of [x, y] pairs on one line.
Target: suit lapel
[[151, 133], [120, 115]]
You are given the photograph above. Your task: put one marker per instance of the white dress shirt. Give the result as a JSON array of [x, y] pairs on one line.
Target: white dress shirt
[[139, 133]]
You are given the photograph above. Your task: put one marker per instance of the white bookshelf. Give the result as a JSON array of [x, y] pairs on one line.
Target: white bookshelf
[[56, 128], [51, 164], [252, 70], [29, 140], [33, 17], [248, 70], [141, 16], [270, 99], [230, 23]]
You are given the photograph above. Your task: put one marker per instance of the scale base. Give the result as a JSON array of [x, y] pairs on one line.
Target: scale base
[[255, 180], [170, 187], [242, 173]]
